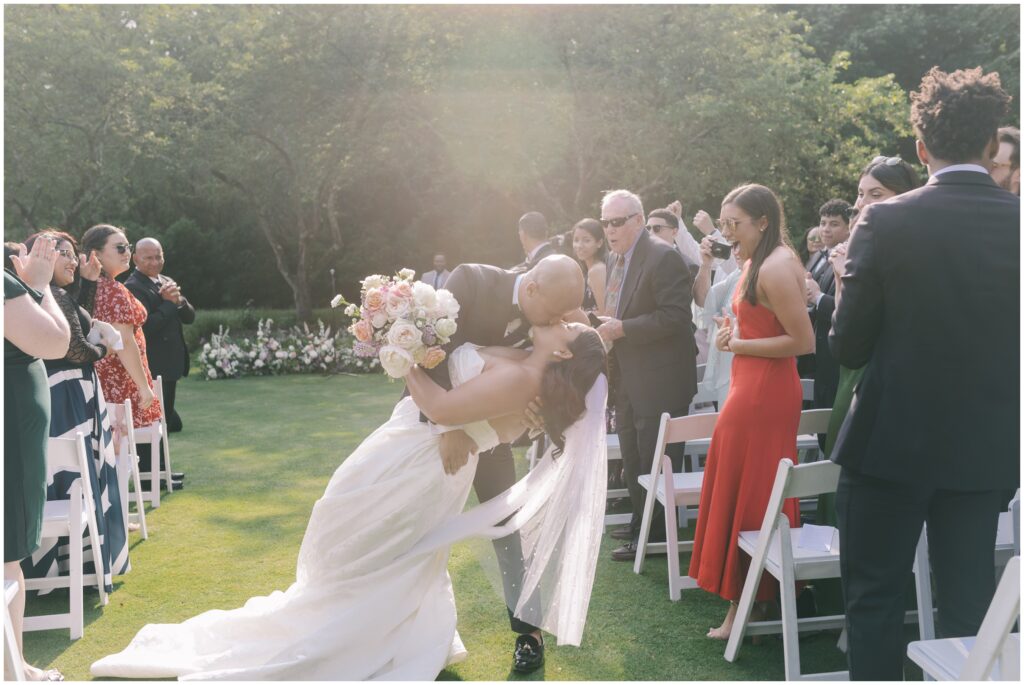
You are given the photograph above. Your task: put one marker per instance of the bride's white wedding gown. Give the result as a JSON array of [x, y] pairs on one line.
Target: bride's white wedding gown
[[361, 607]]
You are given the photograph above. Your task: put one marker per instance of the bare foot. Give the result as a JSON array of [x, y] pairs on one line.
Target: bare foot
[[722, 632]]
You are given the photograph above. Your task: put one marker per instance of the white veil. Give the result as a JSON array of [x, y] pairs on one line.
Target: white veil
[[557, 511]]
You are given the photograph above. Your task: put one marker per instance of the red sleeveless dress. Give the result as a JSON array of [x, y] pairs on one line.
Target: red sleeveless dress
[[755, 431]]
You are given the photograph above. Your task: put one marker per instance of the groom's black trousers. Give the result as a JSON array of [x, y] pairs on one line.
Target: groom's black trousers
[[496, 473]]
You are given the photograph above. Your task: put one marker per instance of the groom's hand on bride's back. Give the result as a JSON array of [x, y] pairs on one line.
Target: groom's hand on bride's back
[[455, 449], [532, 418]]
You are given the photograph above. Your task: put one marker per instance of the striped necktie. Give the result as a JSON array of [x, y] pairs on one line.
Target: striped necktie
[[611, 296]]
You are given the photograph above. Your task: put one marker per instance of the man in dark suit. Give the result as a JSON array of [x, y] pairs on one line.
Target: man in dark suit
[[498, 307], [533, 236], [933, 432], [649, 321], [168, 310], [833, 229]]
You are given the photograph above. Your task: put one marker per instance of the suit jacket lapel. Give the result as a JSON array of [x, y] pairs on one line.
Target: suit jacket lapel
[[636, 268]]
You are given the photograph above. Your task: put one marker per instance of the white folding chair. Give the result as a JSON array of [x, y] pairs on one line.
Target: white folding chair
[[71, 517], [615, 454], [994, 654], [12, 655], [156, 434], [807, 389], [776, 549], [128, 466], [671, 490], [1007, 546]]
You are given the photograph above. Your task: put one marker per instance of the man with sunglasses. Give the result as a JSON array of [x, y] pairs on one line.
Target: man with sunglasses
[[648, 322]]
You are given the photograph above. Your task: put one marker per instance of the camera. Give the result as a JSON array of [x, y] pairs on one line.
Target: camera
[[721, 250]]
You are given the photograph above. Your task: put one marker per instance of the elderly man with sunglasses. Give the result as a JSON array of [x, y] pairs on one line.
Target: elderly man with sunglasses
[[648, 323]]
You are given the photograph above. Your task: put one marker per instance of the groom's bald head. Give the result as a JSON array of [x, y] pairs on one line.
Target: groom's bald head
[[551, 290]]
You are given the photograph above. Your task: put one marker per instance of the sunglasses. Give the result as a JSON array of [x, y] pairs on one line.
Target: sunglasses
[[731, 224], [123, 247], [658, 228], [617, 223], [889, 161]]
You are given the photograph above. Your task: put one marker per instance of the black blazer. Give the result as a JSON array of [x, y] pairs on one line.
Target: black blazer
[[931, 304], [545, 250], [826, 368], [656, 360], [165, 341], [484, 294]]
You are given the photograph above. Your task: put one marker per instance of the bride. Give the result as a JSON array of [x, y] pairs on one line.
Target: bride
[[372, 597]]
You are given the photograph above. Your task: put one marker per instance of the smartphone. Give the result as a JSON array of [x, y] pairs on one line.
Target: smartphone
[[594, 321], [721, 250]]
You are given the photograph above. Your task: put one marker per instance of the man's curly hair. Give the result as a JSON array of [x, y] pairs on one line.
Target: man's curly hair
[[957, 114]]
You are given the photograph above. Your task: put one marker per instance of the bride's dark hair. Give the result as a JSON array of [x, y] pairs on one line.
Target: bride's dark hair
[[564, 387]]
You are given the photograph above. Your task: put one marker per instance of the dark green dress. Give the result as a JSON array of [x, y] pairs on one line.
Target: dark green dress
[[26, 428]]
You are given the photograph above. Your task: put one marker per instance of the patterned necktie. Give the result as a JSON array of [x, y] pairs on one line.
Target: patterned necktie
[[611, 296]]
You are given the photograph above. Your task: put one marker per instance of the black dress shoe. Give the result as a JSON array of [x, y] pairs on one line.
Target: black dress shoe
[[623, 533], [625, 553], [529, 654]]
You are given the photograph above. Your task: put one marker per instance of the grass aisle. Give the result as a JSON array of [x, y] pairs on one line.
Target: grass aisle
[[259, 451]]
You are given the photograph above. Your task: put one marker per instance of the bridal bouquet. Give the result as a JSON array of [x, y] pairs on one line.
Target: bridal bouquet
[[401, 321]]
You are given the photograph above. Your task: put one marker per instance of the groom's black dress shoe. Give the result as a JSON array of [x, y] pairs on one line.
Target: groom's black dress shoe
[[529, 654]]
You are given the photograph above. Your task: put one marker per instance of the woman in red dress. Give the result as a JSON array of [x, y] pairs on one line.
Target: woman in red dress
[[758, 424], [124, 375]]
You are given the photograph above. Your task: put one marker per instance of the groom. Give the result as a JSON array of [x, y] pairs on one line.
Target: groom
[[497, 308]]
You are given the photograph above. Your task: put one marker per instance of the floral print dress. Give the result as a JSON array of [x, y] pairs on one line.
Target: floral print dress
[[116, 305]]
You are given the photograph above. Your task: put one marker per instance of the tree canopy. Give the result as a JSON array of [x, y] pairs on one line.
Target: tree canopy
[[265, 145]]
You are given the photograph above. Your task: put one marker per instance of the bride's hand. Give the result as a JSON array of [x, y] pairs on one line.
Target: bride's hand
[[455, 448]]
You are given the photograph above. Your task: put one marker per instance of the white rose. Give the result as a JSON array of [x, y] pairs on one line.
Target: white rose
[[447, 305], [336, 301], [351, 310], [258, 364], [212, 373], [397, 306], [395, 360], [406, 274], [379, 319], [374, 281], [445, 327], [423, 295], [405, 335]]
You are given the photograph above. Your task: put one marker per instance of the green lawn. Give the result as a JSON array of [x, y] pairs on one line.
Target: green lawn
[[258, 453]]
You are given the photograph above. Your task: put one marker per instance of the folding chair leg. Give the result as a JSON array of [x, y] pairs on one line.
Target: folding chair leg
[[12, 654], [154, 471], [746, 605], [790, 625], [645, 521], [671, 535], [76, 600], [140, 503], [167, 454], [923, 585]]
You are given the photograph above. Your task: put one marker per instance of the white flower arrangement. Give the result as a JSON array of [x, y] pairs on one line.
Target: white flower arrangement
[[275, 352]]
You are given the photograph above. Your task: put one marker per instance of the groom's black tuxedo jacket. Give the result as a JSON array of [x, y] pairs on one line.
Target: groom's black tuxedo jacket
[[484, 294], [930, 302]]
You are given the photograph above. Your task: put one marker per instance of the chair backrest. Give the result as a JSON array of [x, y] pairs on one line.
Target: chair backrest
[[1015, 517], [995, 628], [68, 454], [807, 389], [685, 428], [121, 416], [814, 421], [700, 371], [804, 480]]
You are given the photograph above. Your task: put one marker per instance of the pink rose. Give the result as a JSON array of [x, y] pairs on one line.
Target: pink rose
[[435, 355], [362, 330], [374, 299], [398, 305], [403, 288]]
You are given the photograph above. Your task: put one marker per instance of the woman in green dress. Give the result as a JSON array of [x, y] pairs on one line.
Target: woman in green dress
[[883, 178], [34, 329]]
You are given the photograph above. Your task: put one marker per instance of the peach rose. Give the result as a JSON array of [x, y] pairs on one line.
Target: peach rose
[[374, 299], [434, 356], [362, 330]]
